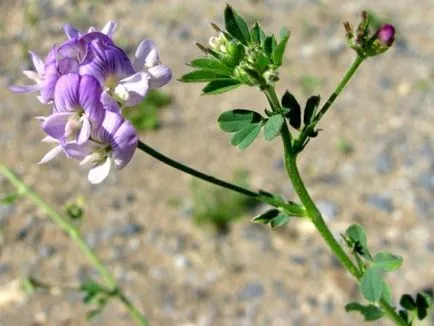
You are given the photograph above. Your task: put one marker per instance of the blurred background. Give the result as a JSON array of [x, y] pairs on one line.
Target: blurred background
[[187, 253]]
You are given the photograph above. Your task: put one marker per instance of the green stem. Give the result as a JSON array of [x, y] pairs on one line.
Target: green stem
[[315, 215], [321, 226], [184, 168], [348, 75], [311, 210], [75, 235]]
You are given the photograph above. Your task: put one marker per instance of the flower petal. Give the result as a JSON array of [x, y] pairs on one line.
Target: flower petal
[[112, 121], [37, 62], [109, 28], [70, 31], [55, 124], [146, 55], [84, 133], [33, 75], [161, 75], [133, 89], [76, 151], [99, 172], [109, 103], [24, 88], [52, 153], [66, 93], [124, 144]]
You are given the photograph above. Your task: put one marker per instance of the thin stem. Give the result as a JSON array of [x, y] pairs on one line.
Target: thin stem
[[348, 75], [75, 235], [184, 168], [315, 216]]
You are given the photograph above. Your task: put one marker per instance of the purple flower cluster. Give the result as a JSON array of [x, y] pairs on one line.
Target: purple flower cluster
[[88, 81]]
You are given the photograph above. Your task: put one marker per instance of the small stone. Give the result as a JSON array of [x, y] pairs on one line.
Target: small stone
[[381, 202], [426, 180], [328, 209], [5, 212], [181, 261], [384, 163], [130, 229], [131, 197], [116, 204], [252, 290], [46, 251], [184, 33], [4, 268], [298, 260]]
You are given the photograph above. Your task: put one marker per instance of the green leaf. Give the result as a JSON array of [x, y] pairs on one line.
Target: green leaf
[[200, 76], [284, 33], [387, 293], [257, 34], [407, 302], [266, 217], [220, 86], [235, 120], [404, 315], [279, 221], [290, 104], [310, 110], [211, 64], [279, 51], [423, 302], [245, 137], [387, 262], [272, 127], [9, 199], [236, 26], [358, 237], [269, 45], [369, 312], [372, 285]]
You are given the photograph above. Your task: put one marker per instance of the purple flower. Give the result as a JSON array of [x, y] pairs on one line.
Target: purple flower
[[97, 55], [112, 144], [108, 30], [77, 109], [150, 74]]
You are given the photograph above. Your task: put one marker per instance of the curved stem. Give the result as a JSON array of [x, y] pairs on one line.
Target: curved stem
[[321, 226], [312, 210], [198, 174], [75, 235]]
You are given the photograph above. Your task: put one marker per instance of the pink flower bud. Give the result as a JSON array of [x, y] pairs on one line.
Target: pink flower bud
[[386, 35]]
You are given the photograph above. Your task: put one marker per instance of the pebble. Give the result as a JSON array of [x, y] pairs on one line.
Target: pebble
[[384, 163], [181, 262], [46, 251], [328, 209], [131, 229], [251, 290], [381, 202], [426, 180], [5, 212], [4, 268]]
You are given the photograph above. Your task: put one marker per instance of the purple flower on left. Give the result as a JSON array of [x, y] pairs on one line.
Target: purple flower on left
[[87, 81]]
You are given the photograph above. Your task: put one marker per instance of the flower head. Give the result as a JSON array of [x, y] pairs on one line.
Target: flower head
[[86, 81]]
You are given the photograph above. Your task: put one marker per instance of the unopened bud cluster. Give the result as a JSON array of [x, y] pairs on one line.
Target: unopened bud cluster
[[367, 43]]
